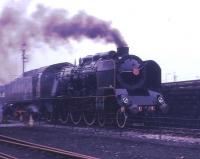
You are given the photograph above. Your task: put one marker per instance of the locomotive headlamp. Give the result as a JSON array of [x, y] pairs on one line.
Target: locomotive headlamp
[[151, 108], [161, 100], [140, 108], [125, 100]]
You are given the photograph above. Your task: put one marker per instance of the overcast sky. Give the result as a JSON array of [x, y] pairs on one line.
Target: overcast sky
[[167, 31]]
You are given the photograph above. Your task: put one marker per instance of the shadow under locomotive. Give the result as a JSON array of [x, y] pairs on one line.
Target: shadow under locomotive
[[103, 84]]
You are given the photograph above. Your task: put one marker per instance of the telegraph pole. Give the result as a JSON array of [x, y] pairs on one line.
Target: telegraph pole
[[175, 77], [166, 76], [23, 57]]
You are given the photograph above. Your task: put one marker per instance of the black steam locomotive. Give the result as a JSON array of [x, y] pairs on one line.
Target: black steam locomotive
[[102, 85]]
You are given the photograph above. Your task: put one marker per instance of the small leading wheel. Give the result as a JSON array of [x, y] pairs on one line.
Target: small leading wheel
[[101, 118], [64, 117], [75, 117], [121, 117]]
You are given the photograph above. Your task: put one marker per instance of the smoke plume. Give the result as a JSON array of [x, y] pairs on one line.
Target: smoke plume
[[46, 25]]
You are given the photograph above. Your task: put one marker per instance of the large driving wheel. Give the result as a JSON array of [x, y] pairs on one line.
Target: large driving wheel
[[64, 117], [89, 118], [101, 118], [63, 114], [121, 117], [75, 117], [89, 115]]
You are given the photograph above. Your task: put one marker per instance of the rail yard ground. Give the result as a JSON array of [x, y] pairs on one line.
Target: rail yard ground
[[103, 143]]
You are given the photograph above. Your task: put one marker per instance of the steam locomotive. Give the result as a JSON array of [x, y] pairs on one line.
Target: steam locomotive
[[113, 83]]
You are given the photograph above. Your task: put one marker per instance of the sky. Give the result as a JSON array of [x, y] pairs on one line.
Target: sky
[[167, 31]]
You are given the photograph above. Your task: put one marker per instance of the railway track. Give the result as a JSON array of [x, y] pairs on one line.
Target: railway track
[[157, 125], [6, 156], [136, 127], [33, 146]]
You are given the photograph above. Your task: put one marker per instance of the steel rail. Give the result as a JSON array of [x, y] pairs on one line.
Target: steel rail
[[62, 152], [6, 156]]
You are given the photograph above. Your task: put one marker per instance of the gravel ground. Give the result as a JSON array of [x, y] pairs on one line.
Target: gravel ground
[[102, 144]]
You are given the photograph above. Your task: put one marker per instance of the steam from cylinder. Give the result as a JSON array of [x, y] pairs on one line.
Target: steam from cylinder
[[51, 26]]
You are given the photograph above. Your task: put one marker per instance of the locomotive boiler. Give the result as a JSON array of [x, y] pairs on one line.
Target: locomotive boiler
[[111, 84]]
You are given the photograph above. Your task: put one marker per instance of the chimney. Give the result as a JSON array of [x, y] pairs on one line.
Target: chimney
[[123, 50]]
